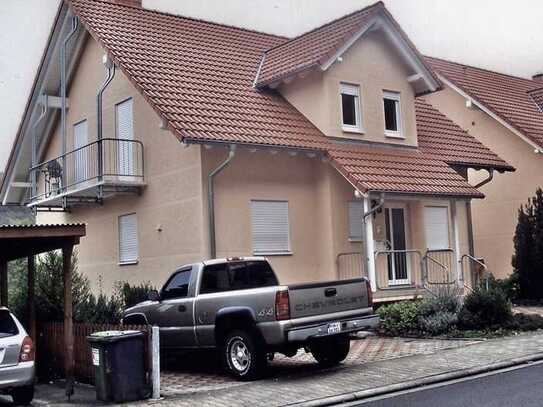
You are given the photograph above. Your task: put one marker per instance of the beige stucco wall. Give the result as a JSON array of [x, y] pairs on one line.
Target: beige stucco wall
[[374, 65], [169, 209], [495, 217]]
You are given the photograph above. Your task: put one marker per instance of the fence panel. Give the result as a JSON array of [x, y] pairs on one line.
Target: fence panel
[[50, 349]]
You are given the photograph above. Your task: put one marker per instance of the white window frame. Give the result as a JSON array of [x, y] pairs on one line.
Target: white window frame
[[135, 258], [353, 207], [397, 98], [353, 90], [448, 234], [264, 251]]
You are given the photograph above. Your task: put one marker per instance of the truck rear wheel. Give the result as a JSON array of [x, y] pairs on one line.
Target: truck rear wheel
[[331, 351], [243, 355]]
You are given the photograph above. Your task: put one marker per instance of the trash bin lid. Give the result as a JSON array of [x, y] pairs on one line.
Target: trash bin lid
[[111, 336]]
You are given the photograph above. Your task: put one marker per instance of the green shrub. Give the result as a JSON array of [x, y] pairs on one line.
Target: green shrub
[[438, 323], [484, 309], [133, 294], [525, 322], [446, 300], [508, 285], [401, 318]]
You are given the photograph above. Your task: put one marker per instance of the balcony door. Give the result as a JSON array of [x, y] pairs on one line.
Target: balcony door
[[125, 136], [80, 155], [396, 234]]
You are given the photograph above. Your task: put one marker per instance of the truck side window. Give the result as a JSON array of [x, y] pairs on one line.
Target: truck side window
[[215, 279], [237, 276], [178, 285]]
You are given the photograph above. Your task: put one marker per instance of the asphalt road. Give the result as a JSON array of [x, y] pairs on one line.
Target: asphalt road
[[515, 388]]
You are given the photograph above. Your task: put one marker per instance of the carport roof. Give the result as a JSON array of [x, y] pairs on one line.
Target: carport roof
[[19, 241]]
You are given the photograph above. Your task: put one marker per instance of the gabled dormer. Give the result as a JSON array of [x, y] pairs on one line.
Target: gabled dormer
[[355, 78]]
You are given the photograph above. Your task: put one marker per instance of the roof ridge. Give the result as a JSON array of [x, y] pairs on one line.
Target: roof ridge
[[379, 3], [484, 69], [196, 19]]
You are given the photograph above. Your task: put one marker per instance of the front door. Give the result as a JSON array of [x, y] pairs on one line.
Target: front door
[[398, 261]]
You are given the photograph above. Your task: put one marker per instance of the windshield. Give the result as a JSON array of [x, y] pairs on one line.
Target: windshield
[[7, 325]]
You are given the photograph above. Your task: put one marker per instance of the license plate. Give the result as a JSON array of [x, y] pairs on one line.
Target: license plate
[[334, 327]]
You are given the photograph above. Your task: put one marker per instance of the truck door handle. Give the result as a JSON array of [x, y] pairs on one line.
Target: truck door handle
[[181, 308], [330, 292]]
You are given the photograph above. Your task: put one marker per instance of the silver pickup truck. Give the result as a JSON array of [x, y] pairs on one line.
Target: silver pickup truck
[[238, 306]]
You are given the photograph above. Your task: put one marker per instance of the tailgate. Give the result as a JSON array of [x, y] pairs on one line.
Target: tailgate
[[327, 297]]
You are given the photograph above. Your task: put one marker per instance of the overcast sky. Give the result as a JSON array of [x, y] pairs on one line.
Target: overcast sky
[[497, 34]]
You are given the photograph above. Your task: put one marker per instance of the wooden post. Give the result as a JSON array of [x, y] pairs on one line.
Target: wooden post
[[30, 303], [4, 282], [68, 322]]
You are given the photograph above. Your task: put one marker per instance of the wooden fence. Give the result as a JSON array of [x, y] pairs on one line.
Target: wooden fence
[[50, 349]]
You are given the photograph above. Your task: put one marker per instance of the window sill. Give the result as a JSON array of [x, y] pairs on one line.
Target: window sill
[[273, 254], [128, 263], [395, 135], [354, 130]]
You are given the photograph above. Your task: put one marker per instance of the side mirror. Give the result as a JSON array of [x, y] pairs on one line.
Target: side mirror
[[153, 295]]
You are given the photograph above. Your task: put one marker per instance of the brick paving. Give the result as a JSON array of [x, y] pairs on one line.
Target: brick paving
[[201, 372], [311, 384]]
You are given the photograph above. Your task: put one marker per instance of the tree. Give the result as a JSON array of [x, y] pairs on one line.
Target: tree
[[528, 243]]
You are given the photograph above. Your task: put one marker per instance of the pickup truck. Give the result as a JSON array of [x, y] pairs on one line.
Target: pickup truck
[[237, 306]]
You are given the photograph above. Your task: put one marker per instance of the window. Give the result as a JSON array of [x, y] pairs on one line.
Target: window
[[178, 285], [80, 155], [237, 276], [356, 211], [350, 108], [391, 105], [125, 133], [128, 239], [436, 224], [7, 325], [270, 227]]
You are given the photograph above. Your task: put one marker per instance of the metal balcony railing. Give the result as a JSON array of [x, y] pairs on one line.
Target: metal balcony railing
[[396, 268], [350, 265], [108, 161]]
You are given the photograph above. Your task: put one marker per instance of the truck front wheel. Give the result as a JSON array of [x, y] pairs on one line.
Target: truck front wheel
[[243, 355], [330, 351]]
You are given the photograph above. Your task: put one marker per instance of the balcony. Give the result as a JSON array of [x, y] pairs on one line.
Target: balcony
[[88, 174]]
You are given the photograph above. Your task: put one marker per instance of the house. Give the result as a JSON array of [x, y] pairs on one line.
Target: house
[[15, 214], [504, 112], [177, 139]]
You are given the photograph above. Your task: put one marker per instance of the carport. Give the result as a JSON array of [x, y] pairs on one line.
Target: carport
[[27, 241]]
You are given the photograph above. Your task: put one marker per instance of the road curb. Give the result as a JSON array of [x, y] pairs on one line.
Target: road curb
[[424, 381]]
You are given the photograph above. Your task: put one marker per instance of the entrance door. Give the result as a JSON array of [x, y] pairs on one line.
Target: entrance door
[[398, 262]]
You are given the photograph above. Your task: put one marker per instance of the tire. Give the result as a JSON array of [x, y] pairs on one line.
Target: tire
[[22, 396], [332, 351], [244, 357]]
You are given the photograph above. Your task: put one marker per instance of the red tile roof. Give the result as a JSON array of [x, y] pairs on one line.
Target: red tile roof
[[316, 47], [506, 96], [440, 137], [537, 97], [198, 75]]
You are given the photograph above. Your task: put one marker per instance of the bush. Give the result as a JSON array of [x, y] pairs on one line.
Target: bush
[[439, 323], [525, 322], [401, 318], [132, 295], [508, 285], [484, 309]]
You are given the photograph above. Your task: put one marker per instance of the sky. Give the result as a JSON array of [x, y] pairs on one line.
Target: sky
[[501, 35]]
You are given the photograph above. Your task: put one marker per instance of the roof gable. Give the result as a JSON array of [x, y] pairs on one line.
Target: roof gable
[[321, 48], [513, 100]]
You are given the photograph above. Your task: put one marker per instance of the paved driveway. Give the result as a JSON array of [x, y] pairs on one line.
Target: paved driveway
[[201, 372]]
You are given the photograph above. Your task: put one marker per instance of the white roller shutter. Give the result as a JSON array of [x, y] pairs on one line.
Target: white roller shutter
[[128, 238], [436, 224], [125, 131], [356, 210], [270, 227], [80, 155]]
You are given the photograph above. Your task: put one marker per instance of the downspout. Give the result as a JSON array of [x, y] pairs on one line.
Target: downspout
[[368, 259], [471, 243], [210, 200], [63, 130], [108, 63]]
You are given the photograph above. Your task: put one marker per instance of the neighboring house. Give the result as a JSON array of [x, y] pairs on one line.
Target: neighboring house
[[15, 214], [504, 112], [215, 141]]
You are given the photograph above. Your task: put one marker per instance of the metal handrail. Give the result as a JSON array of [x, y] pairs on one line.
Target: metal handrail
[[378, 253], [437, 262], [480, 263], [345, 254]]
